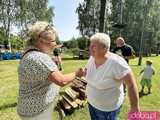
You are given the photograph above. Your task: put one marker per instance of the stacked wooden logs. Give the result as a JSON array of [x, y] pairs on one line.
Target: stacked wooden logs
[[73, 97]]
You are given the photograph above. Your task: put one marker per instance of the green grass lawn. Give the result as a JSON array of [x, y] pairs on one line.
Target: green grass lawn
[[9, 89]]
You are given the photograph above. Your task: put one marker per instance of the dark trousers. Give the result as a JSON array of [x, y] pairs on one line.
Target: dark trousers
[[103, 115]]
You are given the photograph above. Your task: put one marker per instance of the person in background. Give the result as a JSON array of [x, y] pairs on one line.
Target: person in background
[[123, 49], [148, 72], [39, 77], [57, 58], [105, 74]]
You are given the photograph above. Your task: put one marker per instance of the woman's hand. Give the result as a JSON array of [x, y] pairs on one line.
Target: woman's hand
[[80, 72]]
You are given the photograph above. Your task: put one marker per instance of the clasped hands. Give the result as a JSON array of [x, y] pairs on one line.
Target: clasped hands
[[81, 72]]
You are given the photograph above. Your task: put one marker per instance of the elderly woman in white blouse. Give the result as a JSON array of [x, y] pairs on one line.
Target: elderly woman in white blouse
[[105, 75], [39, 77]]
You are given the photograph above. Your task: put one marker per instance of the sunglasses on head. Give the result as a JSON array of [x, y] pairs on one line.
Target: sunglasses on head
[[48, 27]]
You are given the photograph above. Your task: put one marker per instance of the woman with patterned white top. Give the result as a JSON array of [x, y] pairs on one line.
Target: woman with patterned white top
[[105, 74], [39, 77]]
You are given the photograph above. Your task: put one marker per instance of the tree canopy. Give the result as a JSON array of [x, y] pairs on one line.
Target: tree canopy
[[138, 16], [21, 13]]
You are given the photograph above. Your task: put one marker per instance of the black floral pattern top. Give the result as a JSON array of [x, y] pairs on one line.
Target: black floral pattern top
[[36, 92]]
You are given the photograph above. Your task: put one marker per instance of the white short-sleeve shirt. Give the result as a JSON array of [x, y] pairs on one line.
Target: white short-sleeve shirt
[[105, 89], [148, 72]]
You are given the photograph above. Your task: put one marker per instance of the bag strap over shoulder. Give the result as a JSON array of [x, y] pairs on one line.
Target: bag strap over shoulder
[[29, 50]]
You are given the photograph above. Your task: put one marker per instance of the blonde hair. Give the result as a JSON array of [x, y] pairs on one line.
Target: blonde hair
[[101, 38], [36, 30], [149, 62]]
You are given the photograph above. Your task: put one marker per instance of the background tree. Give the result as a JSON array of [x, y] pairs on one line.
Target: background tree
[[2, 35], [16, 42], [30, 11], [22, 13], [7, 13], [83, 43], [72, 43], [133, 14], [88, 14], [102, 15]]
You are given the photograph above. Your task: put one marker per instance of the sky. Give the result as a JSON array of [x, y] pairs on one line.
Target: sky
[[65, 19]]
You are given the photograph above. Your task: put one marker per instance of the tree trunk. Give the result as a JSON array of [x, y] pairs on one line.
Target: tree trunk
[[102, 15], [141, 44], [8, 46]]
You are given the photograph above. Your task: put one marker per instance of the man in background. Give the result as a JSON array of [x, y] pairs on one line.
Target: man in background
[[123, 49]]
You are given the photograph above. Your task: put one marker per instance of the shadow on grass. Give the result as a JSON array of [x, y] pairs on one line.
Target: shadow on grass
[[8, 106], [134, 65], [141, 94], [75, 58]]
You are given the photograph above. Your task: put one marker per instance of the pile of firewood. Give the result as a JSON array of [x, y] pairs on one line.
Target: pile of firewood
[[73, 97]]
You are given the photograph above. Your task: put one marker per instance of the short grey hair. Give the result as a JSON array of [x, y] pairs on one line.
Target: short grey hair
[[36, 30], [101, 38]]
